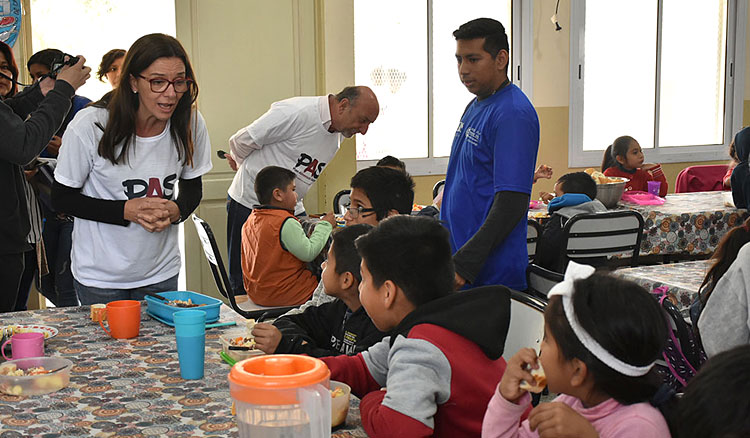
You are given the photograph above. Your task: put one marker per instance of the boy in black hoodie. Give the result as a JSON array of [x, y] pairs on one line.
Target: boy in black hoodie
[[442, 362], [337, 327]]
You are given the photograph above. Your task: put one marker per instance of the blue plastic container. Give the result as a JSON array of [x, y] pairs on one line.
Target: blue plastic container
[[164, 313]]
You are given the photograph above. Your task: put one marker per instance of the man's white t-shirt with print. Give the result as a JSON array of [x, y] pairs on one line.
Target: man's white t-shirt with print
[[125, 257], [292, 134]]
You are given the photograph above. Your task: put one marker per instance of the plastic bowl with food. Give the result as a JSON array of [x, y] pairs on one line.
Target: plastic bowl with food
[[340, 394], [233, 345], [34, 375], [610, 193]]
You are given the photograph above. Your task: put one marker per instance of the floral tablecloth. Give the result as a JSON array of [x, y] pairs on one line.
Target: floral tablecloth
[[128, 388], [687, 223], [682, 279]]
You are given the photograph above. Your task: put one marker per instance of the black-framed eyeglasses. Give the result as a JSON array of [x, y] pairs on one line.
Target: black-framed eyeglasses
[[160, 85], [355, 212]]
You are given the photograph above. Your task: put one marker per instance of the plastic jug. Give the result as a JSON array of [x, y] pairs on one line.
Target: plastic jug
[[281, 396]]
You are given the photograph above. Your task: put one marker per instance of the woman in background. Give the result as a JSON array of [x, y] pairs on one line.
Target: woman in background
[[111, 67]]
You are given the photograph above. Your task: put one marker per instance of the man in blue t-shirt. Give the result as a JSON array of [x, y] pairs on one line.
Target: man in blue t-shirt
[[491, 166]]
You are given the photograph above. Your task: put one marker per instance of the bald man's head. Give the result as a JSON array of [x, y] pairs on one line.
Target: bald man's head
[[352, 110]]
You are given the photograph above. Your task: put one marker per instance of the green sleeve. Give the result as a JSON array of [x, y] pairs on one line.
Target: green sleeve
[[296, 242]]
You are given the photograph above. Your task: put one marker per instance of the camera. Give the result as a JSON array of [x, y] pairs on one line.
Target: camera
[[59, 62]]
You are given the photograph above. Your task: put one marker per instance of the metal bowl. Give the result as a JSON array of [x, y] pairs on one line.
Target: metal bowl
[[609, 194]]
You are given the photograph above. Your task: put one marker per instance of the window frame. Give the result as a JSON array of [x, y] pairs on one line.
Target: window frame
[[521, 65], [733, 92]]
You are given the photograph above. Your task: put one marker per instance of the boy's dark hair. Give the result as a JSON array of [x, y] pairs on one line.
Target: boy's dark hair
[[391, 161], [344, 250], [44, 57], [414, 253], [715, 404], [618, 148], [388, 189], [107, 60], [493, 32], [625, 320], [270, 178], [578, 182], [724, 255]]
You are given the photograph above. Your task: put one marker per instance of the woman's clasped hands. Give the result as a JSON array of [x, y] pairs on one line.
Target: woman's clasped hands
[[153, 214]]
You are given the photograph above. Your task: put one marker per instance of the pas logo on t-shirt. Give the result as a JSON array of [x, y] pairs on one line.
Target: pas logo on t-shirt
[[310, 164], [138, 188]]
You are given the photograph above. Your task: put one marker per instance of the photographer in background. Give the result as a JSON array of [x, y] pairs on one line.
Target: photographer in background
[[27, 120], [57, 233]]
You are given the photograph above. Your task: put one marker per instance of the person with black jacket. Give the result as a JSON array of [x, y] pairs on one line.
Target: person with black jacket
[[27, 120], [338, 327]]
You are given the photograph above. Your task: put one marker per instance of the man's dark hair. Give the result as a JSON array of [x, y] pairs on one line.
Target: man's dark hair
[[493, 32], [350, 93], [344, 250], [388, 189], [715, 403], [391, 161], [270, 178], [414, 253], [44, 57], [578, 182]]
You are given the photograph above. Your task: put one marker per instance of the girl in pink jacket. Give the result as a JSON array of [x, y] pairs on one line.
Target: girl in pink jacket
[[601, 338]]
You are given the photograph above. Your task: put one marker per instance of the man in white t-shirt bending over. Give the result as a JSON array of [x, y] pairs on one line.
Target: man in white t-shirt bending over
[[301, 134]]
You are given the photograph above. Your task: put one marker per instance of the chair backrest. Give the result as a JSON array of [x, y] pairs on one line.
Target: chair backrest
[[533, 231], [541, 280], [341, 200], [705, 178], [211, 250], [437, 187], [526, 323], [604, 234]]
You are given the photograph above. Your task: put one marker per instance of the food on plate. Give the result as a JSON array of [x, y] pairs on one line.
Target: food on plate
[[540, 381], [11, 330], [53, 382], [182, 303], [601, 178], [247, 341]]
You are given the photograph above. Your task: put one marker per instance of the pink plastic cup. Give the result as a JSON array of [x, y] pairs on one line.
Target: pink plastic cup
[[25, 345]]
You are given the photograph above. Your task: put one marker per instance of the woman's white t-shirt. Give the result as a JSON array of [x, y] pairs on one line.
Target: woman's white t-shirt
[[125, 257]]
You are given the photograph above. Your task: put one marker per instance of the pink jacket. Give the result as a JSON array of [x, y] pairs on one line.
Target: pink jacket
[[610, 418]]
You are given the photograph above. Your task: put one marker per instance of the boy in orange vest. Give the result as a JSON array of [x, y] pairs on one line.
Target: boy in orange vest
[[275, 248]]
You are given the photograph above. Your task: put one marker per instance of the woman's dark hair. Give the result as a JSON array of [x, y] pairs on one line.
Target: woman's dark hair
[[107, 60], [618, 148], [344, 250], [123, 105], [625, 320], [715, 403], [269, 179], [578, 182], [493, 32], [45, 57], [724, 255], [414, 253], [8, 53]]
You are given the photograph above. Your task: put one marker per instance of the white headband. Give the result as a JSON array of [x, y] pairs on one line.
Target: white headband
[[565, 290]]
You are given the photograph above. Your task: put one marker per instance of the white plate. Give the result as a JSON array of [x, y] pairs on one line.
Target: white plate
[[49, 332]]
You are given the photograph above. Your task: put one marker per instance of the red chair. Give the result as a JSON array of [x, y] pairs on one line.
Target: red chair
[[701, 179]]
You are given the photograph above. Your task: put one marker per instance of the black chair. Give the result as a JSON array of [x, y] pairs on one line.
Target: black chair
[[533, 232], [341, 201], [248, 309], [437, 187], [540, 280], [607, 234]]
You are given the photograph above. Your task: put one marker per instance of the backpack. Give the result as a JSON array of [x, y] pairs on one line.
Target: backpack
[[683, 354]]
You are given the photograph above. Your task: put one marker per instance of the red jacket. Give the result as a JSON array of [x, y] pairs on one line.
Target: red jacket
[[640, 177]]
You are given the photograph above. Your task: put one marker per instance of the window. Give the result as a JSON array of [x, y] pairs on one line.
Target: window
[[405, 52], [665, 72]]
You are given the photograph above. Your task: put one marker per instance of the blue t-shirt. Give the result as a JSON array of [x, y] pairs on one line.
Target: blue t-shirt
[[494, 150]]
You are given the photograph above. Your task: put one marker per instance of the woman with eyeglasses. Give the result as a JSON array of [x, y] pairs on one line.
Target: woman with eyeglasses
[[119, 170]]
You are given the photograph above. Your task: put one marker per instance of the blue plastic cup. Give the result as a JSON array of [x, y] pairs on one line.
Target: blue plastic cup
[[190, 328]]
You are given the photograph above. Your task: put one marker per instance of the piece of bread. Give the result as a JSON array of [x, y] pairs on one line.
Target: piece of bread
[[540, 381]]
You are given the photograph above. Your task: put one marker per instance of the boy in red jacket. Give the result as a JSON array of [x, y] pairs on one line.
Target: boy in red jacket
[[437, 371]]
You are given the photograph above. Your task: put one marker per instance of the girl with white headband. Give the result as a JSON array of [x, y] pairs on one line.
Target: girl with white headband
[[601, 337]]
